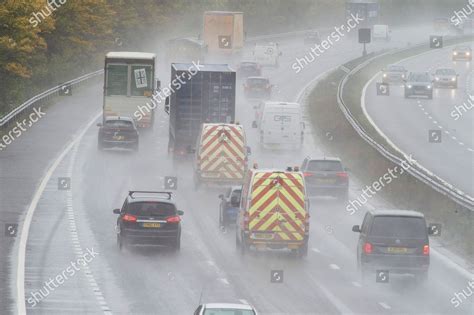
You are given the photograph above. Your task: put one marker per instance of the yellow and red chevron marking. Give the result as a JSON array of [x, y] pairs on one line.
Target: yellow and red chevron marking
[[223, 150], [278, 205]]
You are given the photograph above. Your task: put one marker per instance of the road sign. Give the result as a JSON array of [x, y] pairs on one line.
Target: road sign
[[383, 89], [64, 183], [364, 35], [11, 229], [434, 229]]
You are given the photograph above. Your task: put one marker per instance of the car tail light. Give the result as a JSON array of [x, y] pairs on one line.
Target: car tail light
[[305, 174], [173, 219], [426, 250], [342, 175], [129, 218], [367, 248]]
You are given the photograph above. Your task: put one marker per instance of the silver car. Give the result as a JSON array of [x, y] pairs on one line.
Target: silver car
[[445, 77], [394, 74], [225, 309]]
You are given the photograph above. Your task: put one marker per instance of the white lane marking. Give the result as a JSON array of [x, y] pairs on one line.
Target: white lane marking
[[384, 305], [446, 132], [429, 117], [315, 250], [469, 149], [461, 143], [435, 122], [440, 127], [334, 267], [356, 284], [25, 229], [341, 307], [453, 137], [224, 280]]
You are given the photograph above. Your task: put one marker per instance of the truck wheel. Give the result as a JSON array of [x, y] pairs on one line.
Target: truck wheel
[[303, 250]]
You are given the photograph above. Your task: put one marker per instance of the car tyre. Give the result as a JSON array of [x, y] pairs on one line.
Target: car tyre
[[120, 242], [243, 247], [303, 250], [177, 243]]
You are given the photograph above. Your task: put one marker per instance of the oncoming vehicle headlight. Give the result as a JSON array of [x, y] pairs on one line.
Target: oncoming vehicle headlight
[[384, 75], [453, 79], [437, 79], [455, 53], [428, 86], [409, 86]]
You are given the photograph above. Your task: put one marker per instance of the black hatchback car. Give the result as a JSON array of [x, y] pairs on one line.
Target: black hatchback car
[[419, 83], [258, 87], [249, 68], [393, 240], [326, 177], [118, 132], [149, 218]]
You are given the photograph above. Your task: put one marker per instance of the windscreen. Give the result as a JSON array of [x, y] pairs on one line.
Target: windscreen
[[324, 166], [152, 208], [398, 227], [445, 71], [118, 124]]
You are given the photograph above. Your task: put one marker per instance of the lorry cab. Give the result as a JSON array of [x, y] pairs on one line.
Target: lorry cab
[[381, 32], [274, 211], [267, 54], [281, 125], [221, 154]]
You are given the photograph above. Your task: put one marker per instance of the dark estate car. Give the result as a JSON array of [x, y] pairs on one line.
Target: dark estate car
[[249, 68], [394, 74], [149, 218], [258, 87], [462, 53], [118, 132], [446, 77], [229, 206], [325, 177], [419, 83], [393, 240], [312, 37]]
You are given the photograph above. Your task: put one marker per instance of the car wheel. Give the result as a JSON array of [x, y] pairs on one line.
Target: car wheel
[[243, 247], [303, 250], [120, 243], [177, 243]]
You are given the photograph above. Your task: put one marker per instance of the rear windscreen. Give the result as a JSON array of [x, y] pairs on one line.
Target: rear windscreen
[[148, 208], [119, 124], [324, 166], [399, 227]]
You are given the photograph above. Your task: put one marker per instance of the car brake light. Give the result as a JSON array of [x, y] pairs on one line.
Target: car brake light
[[129, 218], [173, 219], [426, 250], [305, 174], [342, 175], [368, 248]]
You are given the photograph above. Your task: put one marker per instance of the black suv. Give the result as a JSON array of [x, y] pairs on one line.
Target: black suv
[[419, 83], [117, 132], [393, 240], [326, 177], [149, 218], [258, 87]]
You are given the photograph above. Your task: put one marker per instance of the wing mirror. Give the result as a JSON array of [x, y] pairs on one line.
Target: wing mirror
[[180, 212], [356, 228], [116, 211]]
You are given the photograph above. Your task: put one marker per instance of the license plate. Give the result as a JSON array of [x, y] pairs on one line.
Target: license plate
[[118, 138], [151, 225], [397, 250], [326, 180], [264, 236]]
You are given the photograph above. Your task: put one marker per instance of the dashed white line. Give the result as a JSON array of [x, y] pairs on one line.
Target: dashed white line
[[334, 267], [356, 284], [385, 305]]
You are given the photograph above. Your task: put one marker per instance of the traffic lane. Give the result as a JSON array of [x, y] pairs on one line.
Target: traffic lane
[[407, 123], [24, 161]]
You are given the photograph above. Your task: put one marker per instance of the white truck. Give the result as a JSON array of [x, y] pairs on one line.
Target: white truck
[[381, 32], [281, 125], [267, 54]]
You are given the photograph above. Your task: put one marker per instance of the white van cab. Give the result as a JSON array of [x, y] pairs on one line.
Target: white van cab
[[381, 32], [267, 54], [281, 125]]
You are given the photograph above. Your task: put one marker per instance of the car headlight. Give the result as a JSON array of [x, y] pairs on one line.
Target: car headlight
[[428, 87], [437, 79], [453, 79], [455, 53], [409, 86], [468, 54], [384, 75]]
